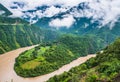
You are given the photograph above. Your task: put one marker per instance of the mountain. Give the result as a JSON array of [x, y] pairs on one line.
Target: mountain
[[83, 11], [105, 67], [65, 31], [107, 34], [81, 18], [81, 22], [4, 11], [83, 26], [17, 33]]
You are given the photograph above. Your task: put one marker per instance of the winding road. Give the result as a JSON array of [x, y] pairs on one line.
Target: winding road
[[7, 73]]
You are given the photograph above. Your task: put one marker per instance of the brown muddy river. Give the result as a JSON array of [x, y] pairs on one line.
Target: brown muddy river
[[7, 73]]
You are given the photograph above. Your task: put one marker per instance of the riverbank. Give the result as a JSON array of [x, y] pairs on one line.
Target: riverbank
[[7, 73]]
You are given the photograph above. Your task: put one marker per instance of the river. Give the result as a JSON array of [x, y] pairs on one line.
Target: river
[[7, 73]]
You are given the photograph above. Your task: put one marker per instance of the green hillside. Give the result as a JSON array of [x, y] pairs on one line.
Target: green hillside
[[15, 33], [105, 67], [48, 57]]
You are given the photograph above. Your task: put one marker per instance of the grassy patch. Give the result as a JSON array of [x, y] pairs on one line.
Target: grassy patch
[[30, 64], [42, 50]]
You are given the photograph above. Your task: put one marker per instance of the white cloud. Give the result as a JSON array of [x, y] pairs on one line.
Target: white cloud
[[53, 11], [65, 22], [17, 13], [107, 10], [32, 4]]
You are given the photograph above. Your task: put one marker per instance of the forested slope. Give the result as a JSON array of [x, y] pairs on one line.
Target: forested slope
[[48, 57], [105, 67], [15, 33]]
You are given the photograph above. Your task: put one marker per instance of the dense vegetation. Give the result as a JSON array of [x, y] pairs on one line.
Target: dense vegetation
[[105, 67], [15, 33], [50, 56], [84, 26], [88, 44]]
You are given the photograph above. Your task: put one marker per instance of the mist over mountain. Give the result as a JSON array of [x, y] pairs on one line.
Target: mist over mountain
[[64, 30], [55, 13], [16, 32]]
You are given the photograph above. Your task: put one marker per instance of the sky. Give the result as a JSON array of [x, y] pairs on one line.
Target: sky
[[107, 10]]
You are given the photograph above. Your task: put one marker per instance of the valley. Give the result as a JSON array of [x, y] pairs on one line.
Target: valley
[[105, 67], [8, 74], [60, 41], [48, 57]]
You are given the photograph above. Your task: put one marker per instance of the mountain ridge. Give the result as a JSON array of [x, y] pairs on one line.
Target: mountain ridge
[[5, 11], [105, 67]]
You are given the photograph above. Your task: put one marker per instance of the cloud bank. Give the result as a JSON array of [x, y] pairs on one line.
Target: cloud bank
[[104, 11], [65, 22]]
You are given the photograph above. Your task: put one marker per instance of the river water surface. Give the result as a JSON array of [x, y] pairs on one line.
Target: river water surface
[[7, 73]]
